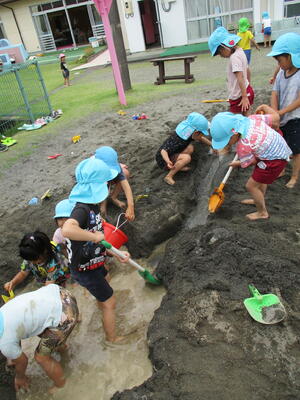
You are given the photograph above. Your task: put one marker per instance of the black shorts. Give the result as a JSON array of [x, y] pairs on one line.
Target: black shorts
[[94, 281], [291, 134], [65, 73]]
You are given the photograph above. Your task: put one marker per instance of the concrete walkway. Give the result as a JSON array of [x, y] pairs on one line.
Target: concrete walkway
[[103, 58]]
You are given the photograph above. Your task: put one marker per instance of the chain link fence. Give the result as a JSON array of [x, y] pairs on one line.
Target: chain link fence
[[23, 96]]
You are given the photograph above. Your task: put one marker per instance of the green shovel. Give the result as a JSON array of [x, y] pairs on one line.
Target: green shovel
[[142, 271], [266, 308]]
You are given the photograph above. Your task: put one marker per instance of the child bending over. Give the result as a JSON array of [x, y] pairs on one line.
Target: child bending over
[[176, 151], [257, 144], [42, 259]]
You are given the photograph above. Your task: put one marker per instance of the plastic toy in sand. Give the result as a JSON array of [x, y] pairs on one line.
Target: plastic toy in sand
[[121, 112], [46, 195], [54, 156], [139, 116], [33, 201], [76, 139], [7, 298]]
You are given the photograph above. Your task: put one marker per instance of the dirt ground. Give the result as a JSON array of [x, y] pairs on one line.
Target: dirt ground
[[203, 344]]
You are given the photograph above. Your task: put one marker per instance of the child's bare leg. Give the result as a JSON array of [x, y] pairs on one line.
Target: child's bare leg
[[114, 195], [52, 368], [103, 208], [109, 319], [295, 172], [257, 191], [251, 201], [181, 162]]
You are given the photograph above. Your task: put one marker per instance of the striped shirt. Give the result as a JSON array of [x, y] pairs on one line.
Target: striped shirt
[[261, 142]]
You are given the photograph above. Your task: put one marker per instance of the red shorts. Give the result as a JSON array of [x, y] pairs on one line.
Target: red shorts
[[234, 104], [266, 171]]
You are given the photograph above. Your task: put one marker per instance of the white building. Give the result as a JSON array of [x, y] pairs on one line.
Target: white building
[[44, 25]]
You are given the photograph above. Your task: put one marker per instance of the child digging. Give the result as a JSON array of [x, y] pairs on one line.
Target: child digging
[[43, 259], [257, 144], [240, 92], [84, 231], [176, 151], [285, 98]]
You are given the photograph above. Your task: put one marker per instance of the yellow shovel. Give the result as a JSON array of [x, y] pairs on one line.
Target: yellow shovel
[[7, 298], [217, 198]]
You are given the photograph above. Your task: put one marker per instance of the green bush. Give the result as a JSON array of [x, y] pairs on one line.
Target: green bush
[[84, 58]]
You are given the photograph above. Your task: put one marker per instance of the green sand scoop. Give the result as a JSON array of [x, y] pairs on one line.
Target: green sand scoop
[[266, 308], [148, 277]]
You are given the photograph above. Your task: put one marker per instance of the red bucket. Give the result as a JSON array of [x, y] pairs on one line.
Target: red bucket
[[115, 237]]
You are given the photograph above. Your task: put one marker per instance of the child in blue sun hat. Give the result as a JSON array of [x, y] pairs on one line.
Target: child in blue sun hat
[[119, 181], [266, 28], [257, 143], [84, 232], [285, 96], [176, 151], [63, 211], [240, 92]]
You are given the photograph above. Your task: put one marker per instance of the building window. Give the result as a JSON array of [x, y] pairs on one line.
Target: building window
[[204, 16], [291, 8], [2, 31]]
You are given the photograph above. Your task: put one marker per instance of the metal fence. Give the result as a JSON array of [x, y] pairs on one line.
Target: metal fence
[[23, 95]]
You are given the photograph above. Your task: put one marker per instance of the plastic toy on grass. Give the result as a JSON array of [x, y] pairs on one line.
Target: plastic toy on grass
[[76, 139], [121, 112], [8, 141]]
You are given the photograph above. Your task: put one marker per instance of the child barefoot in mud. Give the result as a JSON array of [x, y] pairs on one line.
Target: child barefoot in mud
[[240, 93], [285, 97], [176, 152], [50, 313], [43, 259], [257, 144], [120, 181], [84, 231]]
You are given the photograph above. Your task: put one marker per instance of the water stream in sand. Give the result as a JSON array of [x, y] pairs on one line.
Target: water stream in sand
[[95, 369]]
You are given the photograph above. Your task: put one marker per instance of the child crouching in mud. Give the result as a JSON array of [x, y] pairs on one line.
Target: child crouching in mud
[[176, 151], [257, 144]]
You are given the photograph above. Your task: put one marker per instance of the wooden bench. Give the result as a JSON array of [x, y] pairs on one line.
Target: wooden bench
[[187, 60]]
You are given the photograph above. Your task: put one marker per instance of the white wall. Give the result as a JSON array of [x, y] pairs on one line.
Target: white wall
[[173, 24]]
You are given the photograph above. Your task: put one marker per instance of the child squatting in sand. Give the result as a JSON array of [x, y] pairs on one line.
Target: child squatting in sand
[[257, 144], [176, 151]]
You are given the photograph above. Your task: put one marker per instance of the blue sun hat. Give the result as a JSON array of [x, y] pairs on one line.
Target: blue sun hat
[[1, 324], [223, 126], [265, 15], [91, 176], [64, 208], [221, 36], [288, 43], [194, 122], [110, 157]]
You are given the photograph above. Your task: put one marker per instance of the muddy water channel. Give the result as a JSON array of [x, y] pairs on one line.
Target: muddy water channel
[[94, 368]]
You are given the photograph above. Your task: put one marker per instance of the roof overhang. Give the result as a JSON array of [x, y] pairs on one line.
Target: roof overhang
[[3, 2]]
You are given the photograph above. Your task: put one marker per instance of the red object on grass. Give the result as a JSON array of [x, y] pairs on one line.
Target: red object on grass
[[53, 157]]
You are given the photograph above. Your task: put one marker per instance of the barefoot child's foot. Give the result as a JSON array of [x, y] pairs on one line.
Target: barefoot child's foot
[[291, 183], [257, 215], [169, 180], [248, 201], [117, 339], [118, 203]]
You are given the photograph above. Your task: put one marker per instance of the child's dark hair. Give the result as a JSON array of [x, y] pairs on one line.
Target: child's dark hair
[[286, 55], [36, 244]]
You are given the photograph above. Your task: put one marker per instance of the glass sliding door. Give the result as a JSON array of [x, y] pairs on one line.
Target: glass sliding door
[[44, 32]]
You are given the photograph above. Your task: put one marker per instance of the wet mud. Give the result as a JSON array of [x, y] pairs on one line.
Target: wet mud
[[203, 343]]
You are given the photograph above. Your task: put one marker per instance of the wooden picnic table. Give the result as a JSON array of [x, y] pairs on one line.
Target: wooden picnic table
[[162, 78]]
